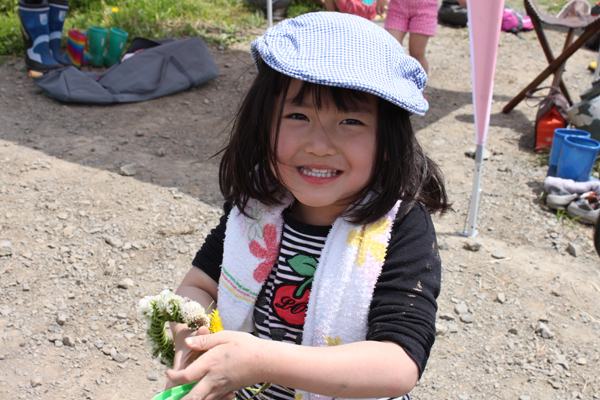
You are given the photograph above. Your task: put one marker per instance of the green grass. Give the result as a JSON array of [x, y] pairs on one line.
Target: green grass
[[217, 21]]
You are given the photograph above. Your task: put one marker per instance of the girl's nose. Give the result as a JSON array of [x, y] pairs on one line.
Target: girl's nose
[[319, 141]]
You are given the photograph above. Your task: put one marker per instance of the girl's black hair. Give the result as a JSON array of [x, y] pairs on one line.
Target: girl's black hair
[[401, 171]]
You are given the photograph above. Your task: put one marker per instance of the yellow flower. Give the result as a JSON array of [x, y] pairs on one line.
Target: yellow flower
[[215, 322], [114, 9], [333, 342], [364, 239]]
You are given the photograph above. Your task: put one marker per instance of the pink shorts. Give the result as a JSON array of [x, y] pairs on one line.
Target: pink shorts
[[413, 16]]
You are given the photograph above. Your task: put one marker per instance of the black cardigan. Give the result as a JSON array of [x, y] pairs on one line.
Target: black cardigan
[[404, 302]]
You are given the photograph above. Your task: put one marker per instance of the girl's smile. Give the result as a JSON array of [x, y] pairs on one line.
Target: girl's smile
[[325, 156]]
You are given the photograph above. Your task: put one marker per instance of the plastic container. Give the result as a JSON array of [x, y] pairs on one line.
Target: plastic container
[[76, 40], [115, 47], [545, 128], [577, 158], [175, 393], [96, 44], [557, 144]]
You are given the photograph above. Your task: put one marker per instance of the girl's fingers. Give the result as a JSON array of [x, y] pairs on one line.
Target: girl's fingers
[[193, 372], [205, 342]]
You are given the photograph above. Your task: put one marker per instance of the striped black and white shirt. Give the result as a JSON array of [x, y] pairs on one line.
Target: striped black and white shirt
[[281, 305]]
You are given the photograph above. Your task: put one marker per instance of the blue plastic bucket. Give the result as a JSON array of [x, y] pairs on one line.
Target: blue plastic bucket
[[577, 158], [557, 144]]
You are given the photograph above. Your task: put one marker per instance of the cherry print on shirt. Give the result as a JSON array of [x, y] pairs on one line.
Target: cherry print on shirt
[[290, 301]]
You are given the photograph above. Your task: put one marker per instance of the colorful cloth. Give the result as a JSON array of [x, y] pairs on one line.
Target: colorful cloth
[[350, 262], [414, 16]]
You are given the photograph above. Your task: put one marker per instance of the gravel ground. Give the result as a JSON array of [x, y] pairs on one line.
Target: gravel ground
[[80, 243]]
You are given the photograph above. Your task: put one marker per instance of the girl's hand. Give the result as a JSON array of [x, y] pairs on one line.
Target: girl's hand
[[184, 356], [381, 7], [232, 361]]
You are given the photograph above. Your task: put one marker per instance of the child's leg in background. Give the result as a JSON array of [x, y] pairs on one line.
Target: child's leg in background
[[421, 25], [396, 20], [416, 48]]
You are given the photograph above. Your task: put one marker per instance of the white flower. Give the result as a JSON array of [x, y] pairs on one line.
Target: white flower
[[193, 312], [146, 307], [166, 300]]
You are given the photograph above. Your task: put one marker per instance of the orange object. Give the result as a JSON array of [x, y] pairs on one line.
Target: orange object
[[545, 129]]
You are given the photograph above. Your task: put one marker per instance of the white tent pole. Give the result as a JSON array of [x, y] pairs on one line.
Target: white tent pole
[[471, 230], [270, 12]]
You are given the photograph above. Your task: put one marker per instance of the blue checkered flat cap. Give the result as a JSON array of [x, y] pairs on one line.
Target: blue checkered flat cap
[[344, 50]]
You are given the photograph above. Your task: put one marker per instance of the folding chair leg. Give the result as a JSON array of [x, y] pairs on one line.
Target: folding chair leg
[[537, 26], [554, 65]]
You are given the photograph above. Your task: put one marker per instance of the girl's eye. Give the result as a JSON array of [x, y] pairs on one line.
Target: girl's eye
[[352, 122], [298, 116]]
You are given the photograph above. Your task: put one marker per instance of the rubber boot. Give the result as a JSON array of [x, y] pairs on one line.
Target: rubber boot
[[34, 26], [56, 20]]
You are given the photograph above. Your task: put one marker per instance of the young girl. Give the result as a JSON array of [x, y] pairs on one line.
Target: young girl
[[327, 253], [419, 17]]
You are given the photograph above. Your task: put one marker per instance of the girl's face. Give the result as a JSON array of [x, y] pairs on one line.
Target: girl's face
[[325, 157]]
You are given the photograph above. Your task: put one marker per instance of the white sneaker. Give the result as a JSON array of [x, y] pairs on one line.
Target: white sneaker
[[587, 208], [558, 198]]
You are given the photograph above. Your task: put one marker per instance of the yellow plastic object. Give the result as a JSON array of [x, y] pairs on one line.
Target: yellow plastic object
[[592, 66]]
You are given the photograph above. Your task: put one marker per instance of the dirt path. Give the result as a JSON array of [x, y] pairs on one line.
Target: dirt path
[[519, 319]]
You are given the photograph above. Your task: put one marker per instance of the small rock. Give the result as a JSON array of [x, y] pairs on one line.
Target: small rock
[[99, 343], [69, 231], [561, 360], [555, 384], [62, 216], [445, 246], [126, 283], [36, 381], [118, 357], [573, 249], [5, 248], [453, 328], [61, 319], [524, 397], [128, 170], [26, 287], [472, 245], [471, 153], [447, 316], [52, 206], [161, 152], [140, 132], [152, 376], [94, 327], [227, 65], [544, 332], [461, 308], [68, 341], [467, 318], [498, 255], [513, 331], [581, 361], [501, 298], [53, 337], [440, 329], [108, 350], [113, 241]]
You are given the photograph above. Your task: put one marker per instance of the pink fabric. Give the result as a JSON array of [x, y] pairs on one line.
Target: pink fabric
[[413, 16], [357, 7]]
